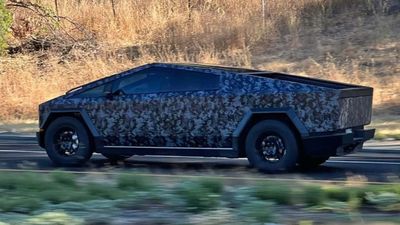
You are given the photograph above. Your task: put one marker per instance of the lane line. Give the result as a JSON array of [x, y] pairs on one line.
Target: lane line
[[177, 176], [362, 162], [18, 144], [23, 151], [42, 152]]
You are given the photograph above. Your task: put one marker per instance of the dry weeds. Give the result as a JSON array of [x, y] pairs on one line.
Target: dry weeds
[[338, 40]]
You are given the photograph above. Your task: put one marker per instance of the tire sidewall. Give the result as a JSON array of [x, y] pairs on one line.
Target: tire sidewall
[[84, 151], [288, 161]]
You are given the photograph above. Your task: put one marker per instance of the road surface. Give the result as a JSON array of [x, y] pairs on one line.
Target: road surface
[[378, 162]]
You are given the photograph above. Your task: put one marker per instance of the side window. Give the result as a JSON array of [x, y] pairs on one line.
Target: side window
[[94, 92], [146, 81], [156, 80], [193, 81]]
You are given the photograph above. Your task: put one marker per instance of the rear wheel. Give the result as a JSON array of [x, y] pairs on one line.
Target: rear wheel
[[271, 146], [67, 142]]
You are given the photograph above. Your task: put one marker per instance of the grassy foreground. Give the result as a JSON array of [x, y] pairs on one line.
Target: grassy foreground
[[63, 198]]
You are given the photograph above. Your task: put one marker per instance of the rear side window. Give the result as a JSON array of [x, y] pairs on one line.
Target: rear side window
[[193, 81], [155, 80]]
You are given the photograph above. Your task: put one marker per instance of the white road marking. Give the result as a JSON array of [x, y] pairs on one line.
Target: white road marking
[[23, 151], [160, 157], [18, 144], [362, 162]]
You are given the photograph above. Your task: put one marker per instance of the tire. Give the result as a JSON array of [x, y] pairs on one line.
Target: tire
[[73, 150], [271, 146], [308, 162], [114, 157]]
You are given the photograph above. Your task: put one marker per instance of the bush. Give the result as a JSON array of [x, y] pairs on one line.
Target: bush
[[279, 193], [142, 200], [103, 191], [66, 179], [19, 204], [196, 197], [313, 195], [338, 194], [24, 181], [133, 182], [260, 211], [58, 218], [386, 201], [213, 185], [5, 23], [61, 195]]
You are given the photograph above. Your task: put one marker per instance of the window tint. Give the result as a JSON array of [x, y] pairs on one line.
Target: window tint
[[94, 92], [156, 80], [143, 82], [193, 81]]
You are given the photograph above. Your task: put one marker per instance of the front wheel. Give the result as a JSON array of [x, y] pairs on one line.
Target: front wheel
[[271, 146], [67, 142]]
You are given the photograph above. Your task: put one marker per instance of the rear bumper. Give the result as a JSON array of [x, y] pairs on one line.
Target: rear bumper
[[336, 144]]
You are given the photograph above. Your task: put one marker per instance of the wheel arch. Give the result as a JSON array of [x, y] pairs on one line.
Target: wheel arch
[[79, 114], [251, 117]]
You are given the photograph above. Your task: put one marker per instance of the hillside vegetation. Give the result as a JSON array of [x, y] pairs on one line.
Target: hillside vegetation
[[54, 45]]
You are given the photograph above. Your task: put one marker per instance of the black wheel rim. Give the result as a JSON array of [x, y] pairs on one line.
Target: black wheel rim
[[270, 147], [66, 141]]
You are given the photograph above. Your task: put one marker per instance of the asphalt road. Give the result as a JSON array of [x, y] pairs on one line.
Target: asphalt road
[[377, 162]]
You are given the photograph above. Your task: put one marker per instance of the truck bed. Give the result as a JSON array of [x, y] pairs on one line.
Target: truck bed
[[355, 101]]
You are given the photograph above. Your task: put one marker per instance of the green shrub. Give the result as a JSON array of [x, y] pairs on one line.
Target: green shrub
[[5, 23], [66, 179], [133, 182], [213, 185], [259, 211], [387, 201], [196, 197], [21, 204], [313, 195], [338, 194], [58, 218], [61, 195], [24, 181], [142, 200], [103, 191], [278, 193]]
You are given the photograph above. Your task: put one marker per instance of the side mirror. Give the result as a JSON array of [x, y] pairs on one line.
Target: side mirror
[[109, 94]]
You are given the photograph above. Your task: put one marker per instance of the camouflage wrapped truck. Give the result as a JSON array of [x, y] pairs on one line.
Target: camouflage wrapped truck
[[276, 120]]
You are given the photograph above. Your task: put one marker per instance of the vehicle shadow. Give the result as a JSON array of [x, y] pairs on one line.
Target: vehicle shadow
[[240, 168]]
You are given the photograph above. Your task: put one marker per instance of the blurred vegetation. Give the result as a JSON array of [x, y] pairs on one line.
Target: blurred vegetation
[[269, 191], [34, 194], [200, 195], [133, 182]]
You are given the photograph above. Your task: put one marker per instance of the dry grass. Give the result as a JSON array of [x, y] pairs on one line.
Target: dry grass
[[328, 39]]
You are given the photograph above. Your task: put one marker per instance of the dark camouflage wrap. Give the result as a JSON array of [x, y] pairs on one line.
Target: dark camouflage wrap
[[209, 118]]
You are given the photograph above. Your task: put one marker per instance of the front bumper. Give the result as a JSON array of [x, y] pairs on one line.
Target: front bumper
[[40, 138], [336, 144]]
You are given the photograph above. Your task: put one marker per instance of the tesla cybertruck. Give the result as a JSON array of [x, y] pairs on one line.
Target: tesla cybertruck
[[276, 120]]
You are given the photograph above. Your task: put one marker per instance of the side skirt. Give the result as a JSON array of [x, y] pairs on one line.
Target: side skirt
[[171, 151]]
